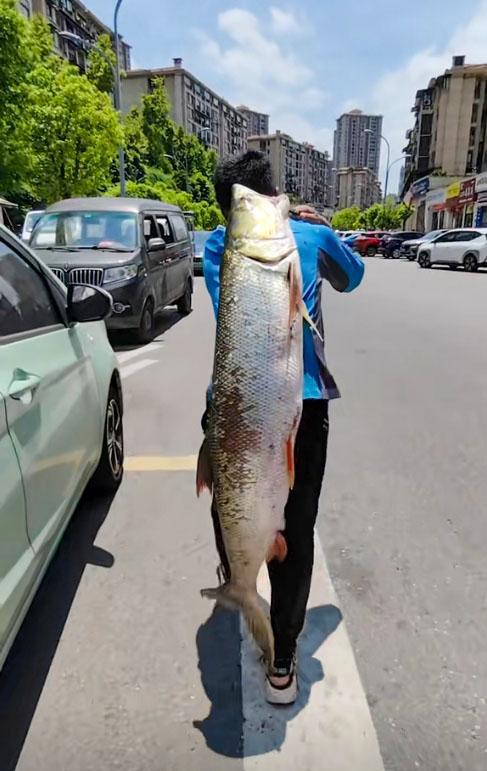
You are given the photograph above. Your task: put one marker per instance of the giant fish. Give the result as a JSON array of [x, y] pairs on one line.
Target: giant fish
[[247, 457]]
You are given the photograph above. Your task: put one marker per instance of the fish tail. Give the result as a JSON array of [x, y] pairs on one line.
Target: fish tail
[[237, 598]]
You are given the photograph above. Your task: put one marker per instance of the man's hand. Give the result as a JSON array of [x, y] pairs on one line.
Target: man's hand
[[309, 214]]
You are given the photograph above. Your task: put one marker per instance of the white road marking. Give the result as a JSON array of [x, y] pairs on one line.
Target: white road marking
[[129, 355], [330, 726], [131, 369]]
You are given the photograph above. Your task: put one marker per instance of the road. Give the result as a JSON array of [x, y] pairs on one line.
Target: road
[[121, 665]]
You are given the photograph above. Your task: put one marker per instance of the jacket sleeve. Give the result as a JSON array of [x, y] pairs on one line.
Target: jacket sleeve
[[339, 264]]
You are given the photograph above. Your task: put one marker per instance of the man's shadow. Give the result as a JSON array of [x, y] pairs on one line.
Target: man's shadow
[[218, 642]]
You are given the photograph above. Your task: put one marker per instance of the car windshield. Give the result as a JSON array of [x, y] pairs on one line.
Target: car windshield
[[433, 234], [31, 220], [111, 230], [200, 239]]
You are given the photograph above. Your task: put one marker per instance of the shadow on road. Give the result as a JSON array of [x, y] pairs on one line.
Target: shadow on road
[[27, 667], [124, 340], [218, 643]]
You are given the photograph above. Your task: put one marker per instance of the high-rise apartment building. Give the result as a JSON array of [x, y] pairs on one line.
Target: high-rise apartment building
[[194, 106], [450, 131], [357, 187], [257, 122], [73, 16], [357, 141], [298, 168]]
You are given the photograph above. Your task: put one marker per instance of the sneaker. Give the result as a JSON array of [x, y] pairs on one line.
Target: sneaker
[[287, 692]]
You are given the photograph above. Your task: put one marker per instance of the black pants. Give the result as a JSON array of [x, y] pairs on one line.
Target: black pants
[[291, 579]]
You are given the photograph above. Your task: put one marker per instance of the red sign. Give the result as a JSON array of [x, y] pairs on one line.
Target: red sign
[[467, 192]]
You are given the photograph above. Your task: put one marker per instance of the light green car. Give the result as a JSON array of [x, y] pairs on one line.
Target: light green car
[[60, 418]]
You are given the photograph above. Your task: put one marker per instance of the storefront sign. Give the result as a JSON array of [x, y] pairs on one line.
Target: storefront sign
[[467, 192], [482, 198], [420, 187], [436, 197], [481, 182], [453, 191]]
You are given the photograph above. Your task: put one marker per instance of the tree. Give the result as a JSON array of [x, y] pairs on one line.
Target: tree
[[346, 219], [101, 64], [74, 133], [15, 64]]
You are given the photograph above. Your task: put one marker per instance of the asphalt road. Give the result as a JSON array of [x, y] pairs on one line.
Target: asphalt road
[[121, 665]]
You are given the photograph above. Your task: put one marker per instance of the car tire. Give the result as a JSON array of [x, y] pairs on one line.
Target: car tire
[[371, 251], [424, 260], [185, 303], [109, 472], [145, 331], [470, 263], [396, 254]]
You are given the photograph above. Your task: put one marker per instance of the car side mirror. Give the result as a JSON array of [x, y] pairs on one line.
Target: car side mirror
[[88, 303], [155, 244]]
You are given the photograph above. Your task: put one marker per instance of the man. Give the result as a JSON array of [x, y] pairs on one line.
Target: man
[[322, 255]]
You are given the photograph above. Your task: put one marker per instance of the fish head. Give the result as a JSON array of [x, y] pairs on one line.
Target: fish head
[[258, 225]]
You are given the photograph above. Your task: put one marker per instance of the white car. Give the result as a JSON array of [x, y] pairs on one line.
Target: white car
[[462, 246]]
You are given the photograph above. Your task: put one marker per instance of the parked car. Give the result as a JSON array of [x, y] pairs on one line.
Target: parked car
[[391, 243], [31, 220], [60, 418], [200, 239], [368, 243], [409, 249], [138, 250], [462, 246]]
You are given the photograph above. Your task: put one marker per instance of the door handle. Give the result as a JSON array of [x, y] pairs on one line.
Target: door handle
[[23, 385]]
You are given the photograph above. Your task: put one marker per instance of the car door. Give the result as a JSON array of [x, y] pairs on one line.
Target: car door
[[52, 406], [460, 245], [156, 260], [17, 562], [181, 266], [441, 248], [166, 230]]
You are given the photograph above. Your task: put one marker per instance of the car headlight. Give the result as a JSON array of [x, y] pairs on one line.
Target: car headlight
[[120, 274]]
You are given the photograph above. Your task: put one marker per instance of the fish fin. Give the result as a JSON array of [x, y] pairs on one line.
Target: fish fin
[[309, 320], [278, 549], [204, 475], [290, 461], [247, 601], [295, 298]]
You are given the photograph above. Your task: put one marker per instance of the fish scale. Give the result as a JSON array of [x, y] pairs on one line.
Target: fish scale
[[257, 393]]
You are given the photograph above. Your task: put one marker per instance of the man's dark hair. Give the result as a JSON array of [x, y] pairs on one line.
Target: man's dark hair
[[251, 169]]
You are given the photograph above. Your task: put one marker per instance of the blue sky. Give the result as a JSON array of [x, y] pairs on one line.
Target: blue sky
[[306, 62]]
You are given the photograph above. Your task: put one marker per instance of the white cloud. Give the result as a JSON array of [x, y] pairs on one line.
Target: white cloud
[[393, 94], [283, 22], [263, 74]]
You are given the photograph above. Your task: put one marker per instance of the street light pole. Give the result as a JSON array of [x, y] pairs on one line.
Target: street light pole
[[118, 97], [386, 183]]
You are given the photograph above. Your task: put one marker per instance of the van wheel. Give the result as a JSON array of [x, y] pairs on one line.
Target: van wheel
[[185, 303], [470, 263], [109, 471], [145, 331]]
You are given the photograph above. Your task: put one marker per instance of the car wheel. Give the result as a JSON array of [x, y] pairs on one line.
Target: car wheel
[[424, 260], [470, 263], [371, 251], [145, 330], [396, 254], [185, 303], [109, 471]]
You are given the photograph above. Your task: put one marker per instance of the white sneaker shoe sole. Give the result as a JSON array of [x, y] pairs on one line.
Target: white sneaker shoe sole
[[282, 696]]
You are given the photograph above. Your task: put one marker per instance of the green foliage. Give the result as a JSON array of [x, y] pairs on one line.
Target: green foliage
[[346, 219], [101, 63]]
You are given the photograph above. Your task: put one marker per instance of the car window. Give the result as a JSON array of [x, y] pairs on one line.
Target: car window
[[180, 229], [165, 229], [150, 228], [465, 235], [25, 301], [447, 238]]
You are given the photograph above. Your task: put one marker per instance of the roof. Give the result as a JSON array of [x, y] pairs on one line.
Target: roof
[[102, 203]]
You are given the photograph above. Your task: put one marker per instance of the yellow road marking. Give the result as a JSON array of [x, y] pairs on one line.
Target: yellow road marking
[[161, 463]]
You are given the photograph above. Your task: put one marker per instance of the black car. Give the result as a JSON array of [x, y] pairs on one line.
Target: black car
[[391, 244], [138, 250], [200, 239]]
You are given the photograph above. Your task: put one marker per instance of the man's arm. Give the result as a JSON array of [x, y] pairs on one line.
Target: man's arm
[[212, 258], [339, 264]]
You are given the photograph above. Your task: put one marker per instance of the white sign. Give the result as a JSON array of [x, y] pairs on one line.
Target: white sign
[[481, 182], [435, 197]]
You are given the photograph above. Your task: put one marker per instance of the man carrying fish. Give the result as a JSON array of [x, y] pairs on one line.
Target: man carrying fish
[[266, 425]]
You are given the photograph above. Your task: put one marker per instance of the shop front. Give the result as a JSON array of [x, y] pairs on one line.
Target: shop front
[[435, 209], [418, 192], [480, 211], [466, 202], [454, 211]]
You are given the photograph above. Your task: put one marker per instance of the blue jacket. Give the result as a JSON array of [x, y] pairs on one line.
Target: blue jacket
[[322, 255]]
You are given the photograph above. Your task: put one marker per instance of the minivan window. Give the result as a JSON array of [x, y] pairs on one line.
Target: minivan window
[[165, 229], [111, 230], [180, 230], [25, 301]]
